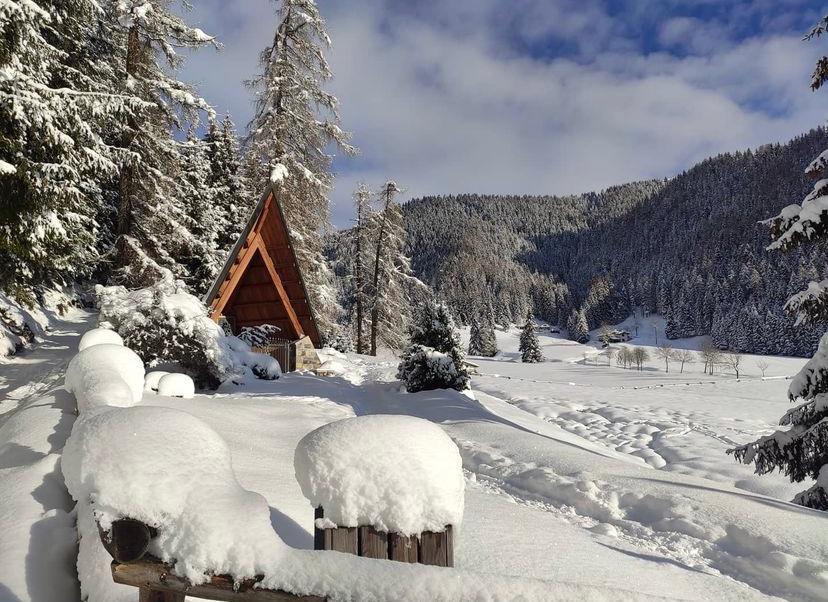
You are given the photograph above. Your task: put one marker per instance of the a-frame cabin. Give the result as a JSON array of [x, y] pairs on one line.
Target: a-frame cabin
[[260, 282]]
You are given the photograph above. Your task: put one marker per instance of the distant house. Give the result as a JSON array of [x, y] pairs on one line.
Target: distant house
[[619, 336], [261, 283]]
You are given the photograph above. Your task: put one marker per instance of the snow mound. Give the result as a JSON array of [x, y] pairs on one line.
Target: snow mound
[[151, 380], [168, 469], [105, 375], [176, 385], [397, 473], [100, 336]]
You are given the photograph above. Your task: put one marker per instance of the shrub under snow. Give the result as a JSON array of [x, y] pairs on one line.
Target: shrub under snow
[[100, 336], [151, 380], [176, 385], [104, 375], [163, 323], [398, 473]]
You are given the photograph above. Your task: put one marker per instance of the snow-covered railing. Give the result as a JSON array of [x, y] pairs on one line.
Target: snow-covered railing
[[387, 487], [128, 541]]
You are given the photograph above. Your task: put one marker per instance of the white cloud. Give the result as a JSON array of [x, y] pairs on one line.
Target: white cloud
[[442, 105]]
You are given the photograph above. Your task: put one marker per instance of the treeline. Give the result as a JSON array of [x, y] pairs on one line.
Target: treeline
[[690, 248]]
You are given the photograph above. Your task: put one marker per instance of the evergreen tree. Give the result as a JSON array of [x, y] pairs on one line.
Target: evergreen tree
[[434, 358], [295, 121], [232, 195], [530, 351], [197, 253], [151, 219], [53, 159], [364, 213], [475, 340], [576, 326], [801, 451]]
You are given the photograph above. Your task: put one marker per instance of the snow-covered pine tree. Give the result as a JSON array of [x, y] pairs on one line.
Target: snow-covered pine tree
[[530, 351], [361, 259], [294, 124], [197, 254], [475, 340], [577, 327], [801, 451], [150, 218], [53, 159], [232, 196], [392, 289], [433, 358]]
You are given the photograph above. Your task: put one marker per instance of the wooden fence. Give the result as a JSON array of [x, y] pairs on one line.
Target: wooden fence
[[127, 542], [429, 547]]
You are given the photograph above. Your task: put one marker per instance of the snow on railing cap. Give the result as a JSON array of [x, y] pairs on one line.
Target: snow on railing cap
[[396, 473], [170, 470]]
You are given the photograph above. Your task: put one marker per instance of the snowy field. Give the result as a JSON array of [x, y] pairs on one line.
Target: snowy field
[[580, 474]]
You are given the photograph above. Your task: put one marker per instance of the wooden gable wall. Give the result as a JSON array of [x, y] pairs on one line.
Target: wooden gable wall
[[263, 285]]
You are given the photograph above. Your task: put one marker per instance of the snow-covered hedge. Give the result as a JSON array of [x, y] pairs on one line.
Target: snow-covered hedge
[[165, 324], [105, 375], [397, 473]]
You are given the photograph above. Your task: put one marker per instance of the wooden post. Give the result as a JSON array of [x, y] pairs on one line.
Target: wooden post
[[402, 548], [434, 548], [373, 543]]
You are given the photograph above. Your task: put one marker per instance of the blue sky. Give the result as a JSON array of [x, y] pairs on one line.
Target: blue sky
[[537, 96]]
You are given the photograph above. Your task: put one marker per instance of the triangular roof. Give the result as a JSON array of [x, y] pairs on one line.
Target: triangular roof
[[260, 282]]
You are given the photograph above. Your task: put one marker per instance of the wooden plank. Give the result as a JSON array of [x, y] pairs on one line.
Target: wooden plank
[[402, 548], [344, 539], [127, 539], [153, 574], [449, 546], [294, 320], [146, 594], [433, 548], [373, 543]]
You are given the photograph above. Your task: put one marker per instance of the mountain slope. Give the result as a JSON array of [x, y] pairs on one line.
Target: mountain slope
[[690, 248]]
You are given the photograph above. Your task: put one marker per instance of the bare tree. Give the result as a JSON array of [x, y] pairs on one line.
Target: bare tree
[[710, 355], [610, 353], [622, 358], [683, 356], [640, 356], [732, 360], [763, 365], [665, 352]]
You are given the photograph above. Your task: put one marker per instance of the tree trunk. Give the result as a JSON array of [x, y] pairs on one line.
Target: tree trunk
[[377, 289], [360, 284]]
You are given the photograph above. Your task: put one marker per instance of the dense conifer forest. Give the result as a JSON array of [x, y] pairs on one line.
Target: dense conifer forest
[[691, 248]]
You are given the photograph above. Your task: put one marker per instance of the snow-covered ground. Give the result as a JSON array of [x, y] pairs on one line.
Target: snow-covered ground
[[575, 473]]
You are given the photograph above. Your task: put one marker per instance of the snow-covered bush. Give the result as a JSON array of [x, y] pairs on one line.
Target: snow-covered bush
[[105, 375], [424, 369], [165, 324], [99, 336], [176, 385], [18, 325], [434, 358], [397, 473], [151, 380], [259, 336]]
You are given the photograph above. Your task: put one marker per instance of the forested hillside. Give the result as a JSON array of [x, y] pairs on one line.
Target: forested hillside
[[691, 248]]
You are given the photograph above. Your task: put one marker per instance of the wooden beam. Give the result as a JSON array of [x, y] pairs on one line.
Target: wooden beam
[[228, 290], [152, 574], [291, 314]]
